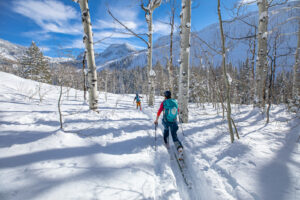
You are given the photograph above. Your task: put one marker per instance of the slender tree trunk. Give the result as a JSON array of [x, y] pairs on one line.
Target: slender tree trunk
[[296, 78], [59, 109], [185, 34], [151, 73], [152, 5], [88, 41], [261, 62], [106, 80], [83, 72], [227, 83], [271, 77], [170, 67], [253, 91], [273, 65]]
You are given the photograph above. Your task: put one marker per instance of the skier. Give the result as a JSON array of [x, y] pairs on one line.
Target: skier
[[137, 98], [169, 121]]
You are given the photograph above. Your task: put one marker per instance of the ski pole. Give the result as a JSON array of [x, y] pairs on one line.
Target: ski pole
[[155, 137]]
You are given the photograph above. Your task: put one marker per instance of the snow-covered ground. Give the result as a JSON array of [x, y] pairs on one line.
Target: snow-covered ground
[[111, 154]]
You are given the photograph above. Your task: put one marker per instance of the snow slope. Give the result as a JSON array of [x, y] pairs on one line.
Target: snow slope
[[111, 154]]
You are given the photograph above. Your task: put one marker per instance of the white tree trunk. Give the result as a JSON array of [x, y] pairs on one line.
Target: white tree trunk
[[170, 64], [261, 62], [88, 41], [106, 80], [226, 78], [152, 5], [84, 75], [296, 78], [185, 34], [151, 75]]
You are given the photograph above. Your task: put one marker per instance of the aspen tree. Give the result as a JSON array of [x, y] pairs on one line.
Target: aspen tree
[[226, 76], [170, 64], [151, 6], [185, 34], [261, 62], [88, 41], [296, 77]]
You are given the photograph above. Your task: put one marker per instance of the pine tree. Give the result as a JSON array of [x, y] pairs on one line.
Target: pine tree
[[35, 66]]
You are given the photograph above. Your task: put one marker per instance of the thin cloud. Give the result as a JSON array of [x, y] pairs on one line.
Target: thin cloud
[[161, 28], [247, 2], [37, 35], [111, 34], [50, 15], [123, 12], [103, 24], [76, 43]]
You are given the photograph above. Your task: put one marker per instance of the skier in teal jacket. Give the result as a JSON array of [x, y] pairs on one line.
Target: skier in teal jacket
[[169, 121]]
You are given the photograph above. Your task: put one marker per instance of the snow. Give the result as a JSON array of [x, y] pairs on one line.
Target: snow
[[148, 17], [111, 154], [263, 15], [59, 59], [152, 73], [265, 35], [10, 51], [229, 78], [187, 50]]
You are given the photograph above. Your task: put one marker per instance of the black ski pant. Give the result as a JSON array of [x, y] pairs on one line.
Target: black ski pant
[[173, 126]]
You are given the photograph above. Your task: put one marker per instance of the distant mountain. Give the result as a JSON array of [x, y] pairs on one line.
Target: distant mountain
[[10, 52]]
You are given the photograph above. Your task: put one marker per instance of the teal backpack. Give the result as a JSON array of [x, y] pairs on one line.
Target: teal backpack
[[171, 110], [137, 99]]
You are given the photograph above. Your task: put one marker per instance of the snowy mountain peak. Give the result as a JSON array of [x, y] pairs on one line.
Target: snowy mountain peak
[[114, 52], [118, 50]]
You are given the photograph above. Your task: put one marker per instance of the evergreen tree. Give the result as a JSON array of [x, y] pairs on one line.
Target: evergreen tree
[[35, 66]]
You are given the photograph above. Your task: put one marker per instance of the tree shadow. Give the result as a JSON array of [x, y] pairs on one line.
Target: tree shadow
[[9, 138], [41, 185], [275, 177], [235, 150], [15, 102], [194, 130], [118, 148], [116, 131], [54, 123], [205, 119], [253, 113], [70, 121]]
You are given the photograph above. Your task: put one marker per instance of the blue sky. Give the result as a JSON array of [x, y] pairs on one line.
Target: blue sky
[[55, 25]]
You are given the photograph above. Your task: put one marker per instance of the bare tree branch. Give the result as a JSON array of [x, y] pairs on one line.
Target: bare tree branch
[[240, 38], [277, 4], [128, 29], [208, 45], [103, 39]]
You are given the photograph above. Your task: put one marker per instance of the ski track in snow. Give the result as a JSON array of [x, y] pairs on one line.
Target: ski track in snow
[[111, 154], [185, 192]]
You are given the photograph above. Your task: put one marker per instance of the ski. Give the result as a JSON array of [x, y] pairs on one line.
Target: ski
[[183, 170]]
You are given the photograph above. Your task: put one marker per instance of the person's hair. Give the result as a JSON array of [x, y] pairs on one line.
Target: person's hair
[[167, 94]]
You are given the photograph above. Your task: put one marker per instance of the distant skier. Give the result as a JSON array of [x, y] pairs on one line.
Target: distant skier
[[169, 121], [137, 98]]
